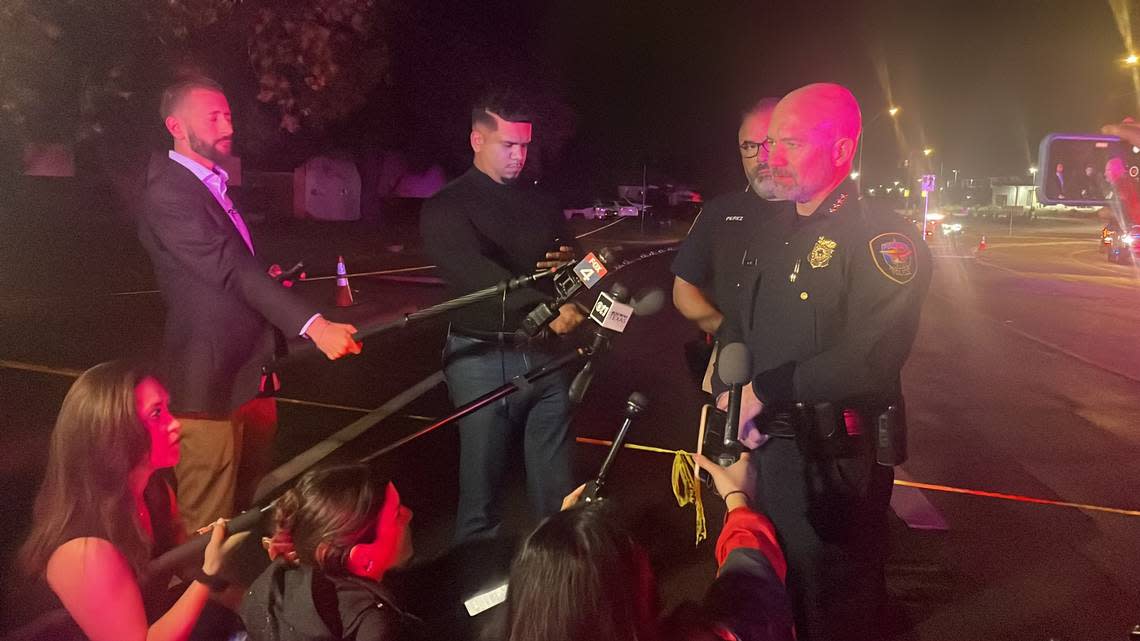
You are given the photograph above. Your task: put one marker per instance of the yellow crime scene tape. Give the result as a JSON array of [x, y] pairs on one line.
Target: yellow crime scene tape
[[687, 490], [685, 487]]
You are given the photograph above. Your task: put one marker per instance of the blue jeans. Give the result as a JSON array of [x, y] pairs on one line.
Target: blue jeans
[[540, 414]]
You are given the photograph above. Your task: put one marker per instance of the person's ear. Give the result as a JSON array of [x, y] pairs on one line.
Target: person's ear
[[844, 151], [360, 562], [174, 126], [477, 140]]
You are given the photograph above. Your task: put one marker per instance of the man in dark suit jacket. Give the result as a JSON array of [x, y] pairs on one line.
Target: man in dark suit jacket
[[221, 308], [1057, 184]]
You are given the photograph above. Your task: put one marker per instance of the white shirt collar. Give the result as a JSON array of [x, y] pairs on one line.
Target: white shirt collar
[[203, 173]]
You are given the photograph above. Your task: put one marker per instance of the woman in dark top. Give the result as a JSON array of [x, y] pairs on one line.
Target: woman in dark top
[[101, 513], [579, 575], [337, 533]]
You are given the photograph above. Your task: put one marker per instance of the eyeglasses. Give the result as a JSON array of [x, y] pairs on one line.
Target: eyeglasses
[[750, 148]]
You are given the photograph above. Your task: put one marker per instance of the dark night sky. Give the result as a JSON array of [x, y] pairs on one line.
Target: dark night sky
[[663, 82]]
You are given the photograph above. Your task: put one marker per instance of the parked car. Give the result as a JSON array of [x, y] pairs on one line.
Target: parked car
[[597, 211], [1125, 247], [630, 208]]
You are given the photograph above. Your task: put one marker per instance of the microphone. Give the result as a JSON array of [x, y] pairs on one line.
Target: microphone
[[571, 277], [609, 308], [734, 366], [291, 273], [611, 313], [634, 407], [568, 281]]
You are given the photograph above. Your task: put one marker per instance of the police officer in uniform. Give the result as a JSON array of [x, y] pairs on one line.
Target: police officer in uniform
[[830, 315], [707, 269], [716, 248]]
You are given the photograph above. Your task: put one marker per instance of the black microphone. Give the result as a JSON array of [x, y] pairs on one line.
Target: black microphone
[[291, 273], [192, 550], [568, 281], [634, 407], [734, 366], [604, 306], [612, 314]]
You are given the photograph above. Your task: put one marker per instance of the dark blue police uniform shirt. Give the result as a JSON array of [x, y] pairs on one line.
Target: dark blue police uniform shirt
[[715, 255]]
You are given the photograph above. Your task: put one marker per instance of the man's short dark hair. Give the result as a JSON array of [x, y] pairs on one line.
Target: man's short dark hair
[[764, 104], [507, 105], [173, 95]]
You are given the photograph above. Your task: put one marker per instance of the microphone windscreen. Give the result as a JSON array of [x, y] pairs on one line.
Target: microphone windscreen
[[608, 256], [734, 364], [649, 302], [619, 292], [638, 402]]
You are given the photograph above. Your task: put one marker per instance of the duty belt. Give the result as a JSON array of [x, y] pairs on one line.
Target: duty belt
[[838, 430], [781, 424]]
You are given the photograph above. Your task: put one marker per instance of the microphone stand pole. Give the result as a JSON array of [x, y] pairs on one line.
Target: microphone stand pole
[[308, 349], [188, 551], [516, 384]]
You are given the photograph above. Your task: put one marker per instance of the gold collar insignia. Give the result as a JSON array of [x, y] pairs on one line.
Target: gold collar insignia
[[838, 203]]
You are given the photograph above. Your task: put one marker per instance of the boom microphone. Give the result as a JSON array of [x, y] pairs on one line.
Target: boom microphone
[[191, 551], [610, 308], [612, 314], [634, 407], [568, 281], [734, 366], [593, 267]]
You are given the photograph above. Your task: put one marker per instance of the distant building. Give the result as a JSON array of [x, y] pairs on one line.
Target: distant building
[[1013, 192]]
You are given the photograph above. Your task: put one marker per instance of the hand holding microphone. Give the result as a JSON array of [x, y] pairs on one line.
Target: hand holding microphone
[[732, 483], [555, 259], [568, 319], [734, 366], [569, 279]]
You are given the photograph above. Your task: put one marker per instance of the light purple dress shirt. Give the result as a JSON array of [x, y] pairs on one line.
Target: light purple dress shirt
[[215, 180]]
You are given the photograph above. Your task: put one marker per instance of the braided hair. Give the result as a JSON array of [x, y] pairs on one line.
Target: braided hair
[[328, 511]]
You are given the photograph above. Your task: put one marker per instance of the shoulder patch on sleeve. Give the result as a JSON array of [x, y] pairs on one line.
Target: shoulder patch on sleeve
[[895, 257]]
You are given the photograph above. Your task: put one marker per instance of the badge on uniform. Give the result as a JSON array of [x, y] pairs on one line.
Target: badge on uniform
[[895, 257], [821, 253]]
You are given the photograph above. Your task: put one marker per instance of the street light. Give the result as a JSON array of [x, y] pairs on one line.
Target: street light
[[892, 112], [1131, 60], [1033, 171], [927, 151]]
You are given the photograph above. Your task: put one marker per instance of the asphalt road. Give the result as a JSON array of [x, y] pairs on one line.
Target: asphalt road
[[1025, 380]]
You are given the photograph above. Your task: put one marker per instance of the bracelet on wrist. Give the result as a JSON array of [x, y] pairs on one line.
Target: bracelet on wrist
[[213, 581], [747, 499]]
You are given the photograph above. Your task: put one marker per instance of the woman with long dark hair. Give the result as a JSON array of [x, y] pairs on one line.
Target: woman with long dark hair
[[580, 576], [337, 532], [102, 513]]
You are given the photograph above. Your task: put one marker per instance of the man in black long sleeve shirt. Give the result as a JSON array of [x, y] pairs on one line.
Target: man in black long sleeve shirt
[[482, 229]]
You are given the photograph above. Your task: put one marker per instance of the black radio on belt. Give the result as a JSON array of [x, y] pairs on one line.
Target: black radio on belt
[[890, 436], [830, 430]]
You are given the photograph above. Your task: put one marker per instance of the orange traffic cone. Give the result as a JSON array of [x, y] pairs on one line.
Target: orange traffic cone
[[343, 291], [982, 244]]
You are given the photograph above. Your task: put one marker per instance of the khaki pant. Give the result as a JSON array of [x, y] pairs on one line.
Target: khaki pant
[[222, 461], [710, 371]]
